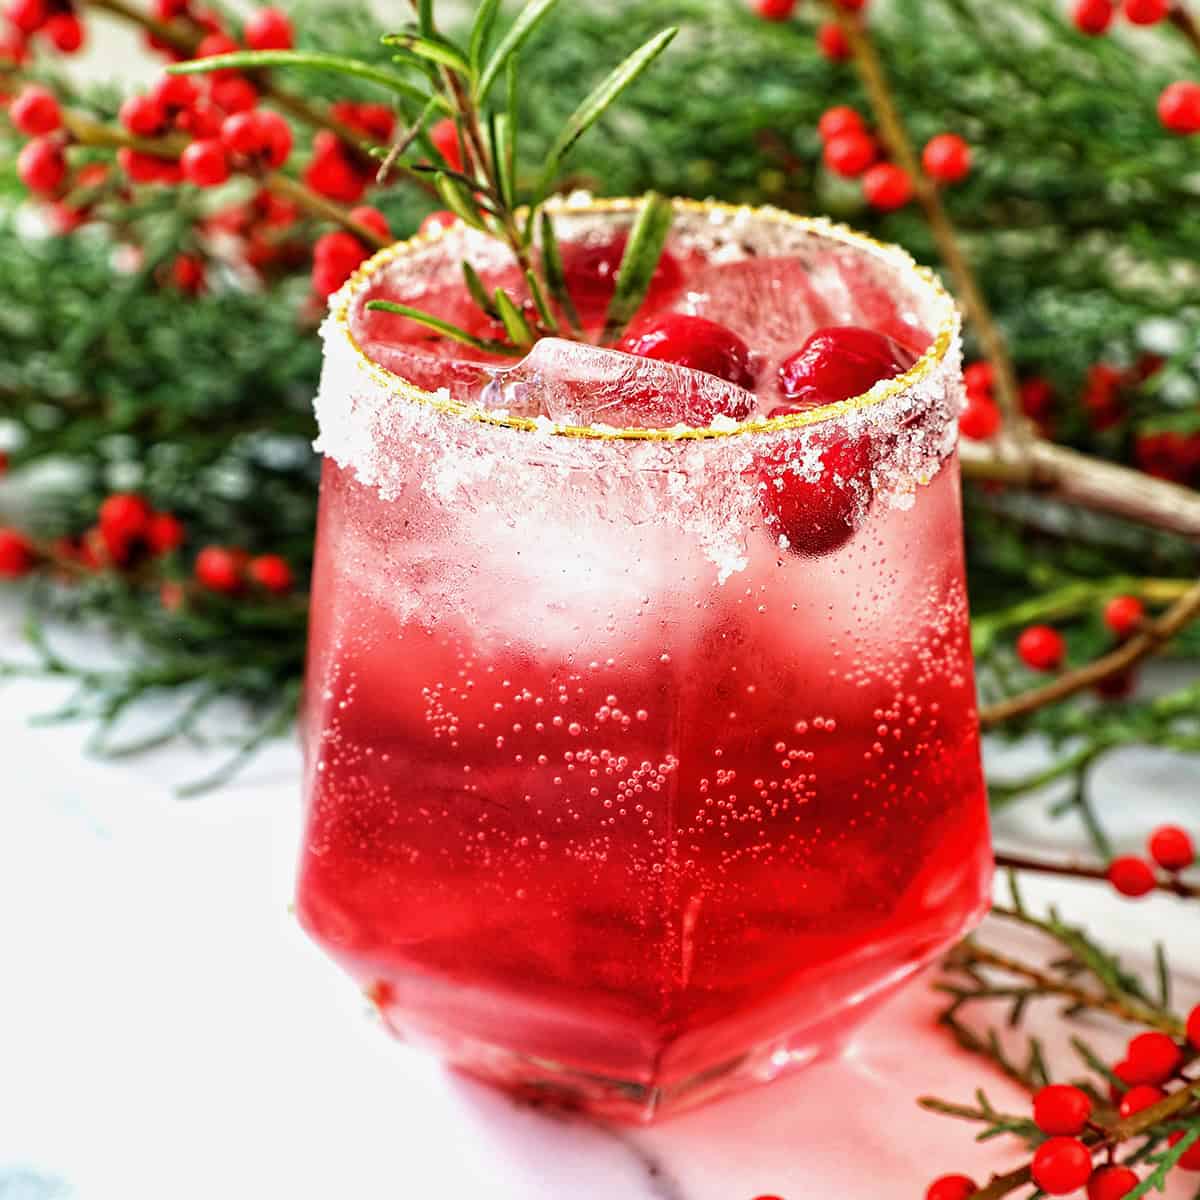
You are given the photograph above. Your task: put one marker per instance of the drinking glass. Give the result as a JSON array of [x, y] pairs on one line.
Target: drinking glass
[[642, 754]]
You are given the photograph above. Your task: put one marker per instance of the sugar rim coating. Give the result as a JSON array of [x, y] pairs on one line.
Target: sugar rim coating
[[894, 256]]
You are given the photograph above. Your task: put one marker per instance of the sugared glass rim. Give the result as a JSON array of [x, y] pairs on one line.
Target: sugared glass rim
[[893, 255]]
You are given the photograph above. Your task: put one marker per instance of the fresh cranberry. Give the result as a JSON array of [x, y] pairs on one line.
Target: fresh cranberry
[[143, 116], [141, 167], [839, 120], [1143, 1095], [1123, 614], [268, 29], [947, 158], [850, 154], [41, 166], [1037, 398], [1146, 12], [336, 256], [775, 10], [1093, 17], [1061, 1109], [205, 163], [1111, 1183], [1133, 877], [259, 135], [231, 92], [16, 554], [220, 569], [839, 363], [590, 269], [214, 44], [1061, 1165], [1172, 848], [1193, 1027], [1154, 1057], [979, 419], [202, 120], [64, 31], [123, 520], [1041, 648], [168, 10], [371, 218], [817, 516], [27, 16], [174, 94], [35, 111], [887, 187], [332, 173], [980, 377], [1179, 107], [1120, 686], [271, 573], [187, 273], [833, 43], [696, 343], [951, 1187], [164, 532]]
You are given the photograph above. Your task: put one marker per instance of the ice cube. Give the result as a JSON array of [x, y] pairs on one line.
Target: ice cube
[[574, 383]]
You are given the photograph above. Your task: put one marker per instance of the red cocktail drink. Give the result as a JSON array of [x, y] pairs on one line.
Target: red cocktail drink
[[641, 729]]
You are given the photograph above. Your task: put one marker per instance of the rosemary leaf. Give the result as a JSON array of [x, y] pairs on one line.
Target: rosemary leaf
[[445, 328], [545, 313], [435, 50], [532, 15], [481, 31], [552, 268], [515, 324], [478, 291], [458, 200], [639, 262]]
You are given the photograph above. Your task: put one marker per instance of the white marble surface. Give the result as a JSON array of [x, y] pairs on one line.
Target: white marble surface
[[166, 1033]]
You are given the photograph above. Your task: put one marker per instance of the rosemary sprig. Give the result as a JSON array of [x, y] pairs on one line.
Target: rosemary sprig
[[456, 79]]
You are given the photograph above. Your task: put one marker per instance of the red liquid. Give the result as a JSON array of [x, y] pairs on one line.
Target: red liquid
[[586, 820]]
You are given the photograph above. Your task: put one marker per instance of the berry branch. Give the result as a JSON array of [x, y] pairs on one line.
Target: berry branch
[[1147, 641], [892, 129], [1020, 862]]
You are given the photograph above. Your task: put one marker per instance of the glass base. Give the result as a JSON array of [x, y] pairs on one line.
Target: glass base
[[543, 1083]]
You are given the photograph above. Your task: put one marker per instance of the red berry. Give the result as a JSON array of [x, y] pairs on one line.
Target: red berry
[[1131, 876], [951, 1187], [947, 158], [376, 121], [693, 342], [1060, 1109], [1041, 648], [1117, 687], [123, 519], [219, 569], [839, 120], [16, 554], [1037, 398], [1111, 1183], [444, 136], [35, 111], [1179, 107], [1123, 1071], [172, 596], [1093, 17], [1193, 1027], [269, 29], [204, 163], [187, 273], [839, 363], [850, 154], [979, 419], [232, 93], [1061, 1165], [1123, 614], [1143, 1095], [774, 10], [214, 44], [441, 218], [271, 573], [260, 134], [164, 532], [141, 168], [143, 116], [1146, 12], [174, 94], [202, 120], [331, 173], [813, 517], [371, 218], [832, 43], [27, 16], [168, 10], [336, 256], [1154, 1057], [42, 166], [64, 31], [979, 377], [852, 5], [1190, 1160], [887, 187]]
